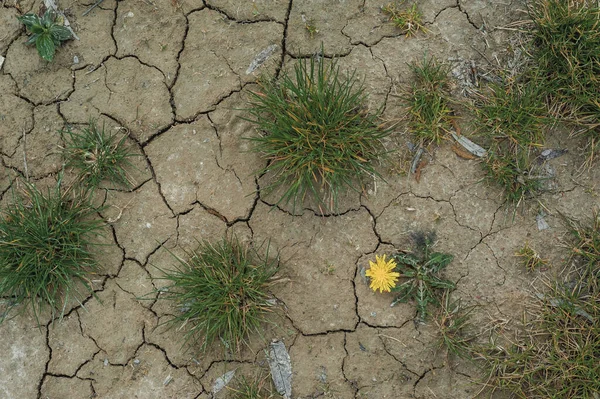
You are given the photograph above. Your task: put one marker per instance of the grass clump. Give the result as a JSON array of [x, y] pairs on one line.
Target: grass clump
[[98, 156], [566, 39], [409, 20], [419, 279], [514, 173], [566, 51], [255, 388], [315, 132], [429, 112], [221, 292], [45, 240], [558, 355], [512, 116], [453, 320], [587, 249]]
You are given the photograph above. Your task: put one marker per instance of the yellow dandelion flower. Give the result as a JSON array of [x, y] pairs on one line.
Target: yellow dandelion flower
[[381, 274]]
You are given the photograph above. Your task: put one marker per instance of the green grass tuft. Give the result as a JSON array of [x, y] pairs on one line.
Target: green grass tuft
[[513, 115], [221, 293], [315, 132], [427, 102], [256, 388], [566, 39], [586, 249], [566, 50], [513, 173], [98, 156], [559, 357], [513, 118], [44, 248], [453, 322]]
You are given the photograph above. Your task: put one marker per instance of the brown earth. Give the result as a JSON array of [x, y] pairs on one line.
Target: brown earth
[[173, 75]]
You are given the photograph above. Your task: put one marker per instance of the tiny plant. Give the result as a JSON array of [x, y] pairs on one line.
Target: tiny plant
[[45, 33], [221, 292], [409, 21], [97, 155], [311, 28], [45, 240], [429, 112], [315, 132], [419, 274], [530, 259]]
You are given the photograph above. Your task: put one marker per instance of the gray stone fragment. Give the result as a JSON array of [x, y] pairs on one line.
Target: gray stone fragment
[[222, 382], [281, 368], [541, 222], [469, 145], [552, 153], [261, 58]]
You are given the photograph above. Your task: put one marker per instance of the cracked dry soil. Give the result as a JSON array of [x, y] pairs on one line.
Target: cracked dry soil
[[173, 74]]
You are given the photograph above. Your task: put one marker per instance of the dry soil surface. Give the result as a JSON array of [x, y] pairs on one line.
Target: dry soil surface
[[173, 74]]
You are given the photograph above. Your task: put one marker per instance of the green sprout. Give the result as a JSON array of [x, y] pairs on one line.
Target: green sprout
[[45, 33]]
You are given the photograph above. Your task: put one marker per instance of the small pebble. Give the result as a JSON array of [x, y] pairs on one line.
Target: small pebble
[[75, 60], [373, 314], [136, 361], [105, 362]]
